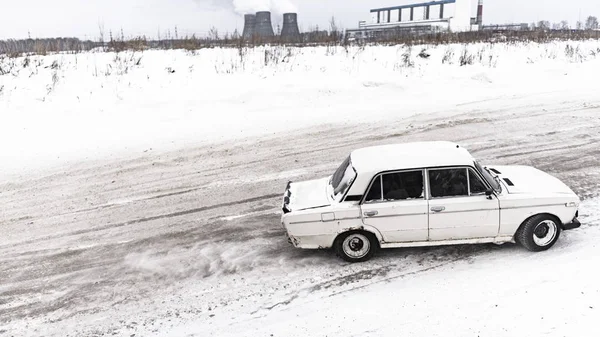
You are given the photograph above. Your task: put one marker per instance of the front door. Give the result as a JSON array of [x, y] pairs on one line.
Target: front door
[[459, 207], [396, 206]]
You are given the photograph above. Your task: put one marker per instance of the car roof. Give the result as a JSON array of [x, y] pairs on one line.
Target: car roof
[[404, 156]]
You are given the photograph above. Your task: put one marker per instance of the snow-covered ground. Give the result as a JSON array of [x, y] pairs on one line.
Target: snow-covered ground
[[144, 199], [64, 108]]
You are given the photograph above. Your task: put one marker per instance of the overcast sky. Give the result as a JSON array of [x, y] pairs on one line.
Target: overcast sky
[[81, 18]]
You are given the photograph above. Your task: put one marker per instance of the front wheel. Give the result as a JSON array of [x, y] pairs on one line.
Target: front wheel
[[538, 233], [356, 246]]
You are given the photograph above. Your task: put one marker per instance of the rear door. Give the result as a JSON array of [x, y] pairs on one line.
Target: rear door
[[459, 207], [395, 204]]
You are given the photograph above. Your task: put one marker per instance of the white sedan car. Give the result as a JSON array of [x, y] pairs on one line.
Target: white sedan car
[[425, 194]]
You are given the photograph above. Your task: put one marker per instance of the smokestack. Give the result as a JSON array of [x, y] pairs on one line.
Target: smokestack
[[480, 14], [290, 30], [264, 28], [249, 26]]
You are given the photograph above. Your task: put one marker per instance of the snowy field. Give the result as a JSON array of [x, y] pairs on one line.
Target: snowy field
[[140, 192]]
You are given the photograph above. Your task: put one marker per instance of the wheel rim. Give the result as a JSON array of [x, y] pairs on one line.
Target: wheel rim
[[356, 246], [544, 233]]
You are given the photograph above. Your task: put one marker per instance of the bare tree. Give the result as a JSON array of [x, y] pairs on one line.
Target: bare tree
[[564, 25], [579, 25], [101, 31], [213, 34], [591, 23], [556, 26], [333, 28], [543, 25], [533, 26]]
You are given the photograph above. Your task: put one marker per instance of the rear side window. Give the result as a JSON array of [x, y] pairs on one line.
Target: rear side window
[[448, 183]]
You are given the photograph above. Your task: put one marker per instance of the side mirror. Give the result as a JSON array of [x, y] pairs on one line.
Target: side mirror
[[489, 193]]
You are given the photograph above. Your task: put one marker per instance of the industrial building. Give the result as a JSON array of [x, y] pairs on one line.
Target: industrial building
[[432, 16]]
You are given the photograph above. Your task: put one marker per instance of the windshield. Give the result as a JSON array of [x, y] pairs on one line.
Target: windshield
[[488, 177], [341, 180]]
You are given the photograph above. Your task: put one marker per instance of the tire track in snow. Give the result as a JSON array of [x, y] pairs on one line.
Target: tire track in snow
[[537, 151], [403, 275], [366, 274], [147, 219], [119, 203]]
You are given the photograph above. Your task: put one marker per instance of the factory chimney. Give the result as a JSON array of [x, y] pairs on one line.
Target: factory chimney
[[263, 27], [290, 30], [249, 26], [480, 14]]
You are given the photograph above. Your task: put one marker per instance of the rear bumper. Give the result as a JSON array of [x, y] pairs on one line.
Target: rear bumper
[[574, 224]]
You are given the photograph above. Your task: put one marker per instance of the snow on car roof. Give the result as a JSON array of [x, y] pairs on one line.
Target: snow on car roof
[[409, 155]]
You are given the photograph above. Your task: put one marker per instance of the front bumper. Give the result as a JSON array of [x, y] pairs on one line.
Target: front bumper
[[286, 198], [574, 224], [292, 240]]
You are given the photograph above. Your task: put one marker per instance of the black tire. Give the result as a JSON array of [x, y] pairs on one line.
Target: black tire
[[539, 233], [364, 244]]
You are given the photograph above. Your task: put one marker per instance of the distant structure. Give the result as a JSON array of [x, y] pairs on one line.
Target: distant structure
[[432, 16], [507, 27], [290, 30], [264, 27], [479, 21], [249, 26], [259, 26]]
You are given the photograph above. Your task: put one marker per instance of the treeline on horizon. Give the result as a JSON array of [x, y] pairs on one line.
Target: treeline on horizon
[[17, 48]]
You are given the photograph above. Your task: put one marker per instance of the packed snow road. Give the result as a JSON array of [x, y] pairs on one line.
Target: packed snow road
[[189, 242]]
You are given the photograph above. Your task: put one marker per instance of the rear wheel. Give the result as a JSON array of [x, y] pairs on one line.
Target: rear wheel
[[356, 246], [538, 233]]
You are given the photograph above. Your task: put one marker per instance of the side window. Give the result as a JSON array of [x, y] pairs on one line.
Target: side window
[[403, 185], [448, 183], [477, 186], [375, 191]]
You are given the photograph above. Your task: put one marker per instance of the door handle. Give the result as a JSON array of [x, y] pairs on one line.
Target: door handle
[[371, 213], [438, 209]]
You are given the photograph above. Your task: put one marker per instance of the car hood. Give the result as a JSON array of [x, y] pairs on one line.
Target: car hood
[[308, 194], [527, 179]]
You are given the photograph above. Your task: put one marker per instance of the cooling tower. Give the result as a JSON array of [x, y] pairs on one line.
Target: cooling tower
[[290, 29], [263, 27], [249, 26]]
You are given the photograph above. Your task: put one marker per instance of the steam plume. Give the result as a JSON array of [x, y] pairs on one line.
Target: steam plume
[[252, 6]]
